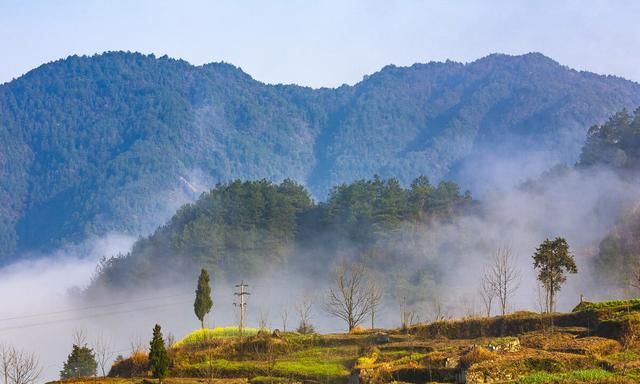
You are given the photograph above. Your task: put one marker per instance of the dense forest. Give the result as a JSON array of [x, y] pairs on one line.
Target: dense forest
[[616, 146], [119, 141], [248, 228]]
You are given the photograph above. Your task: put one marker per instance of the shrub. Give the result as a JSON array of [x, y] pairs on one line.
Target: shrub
[[305, 328], [134, 366]]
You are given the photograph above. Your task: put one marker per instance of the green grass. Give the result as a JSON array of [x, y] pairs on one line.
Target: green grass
[[269, 380], [581, 376], [317, 362], [611, 304], [198, 336], [230, 368], [311, 368], [314, 363], [623, 356], [291, 367]]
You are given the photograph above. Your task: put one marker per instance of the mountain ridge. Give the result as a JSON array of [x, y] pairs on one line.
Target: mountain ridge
[[96, 144]]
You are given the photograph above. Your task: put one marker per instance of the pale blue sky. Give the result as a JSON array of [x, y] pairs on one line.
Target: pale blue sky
[[322, 43]]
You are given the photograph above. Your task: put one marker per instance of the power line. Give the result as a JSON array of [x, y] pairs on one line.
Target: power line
[[21, 317], [88, 317]]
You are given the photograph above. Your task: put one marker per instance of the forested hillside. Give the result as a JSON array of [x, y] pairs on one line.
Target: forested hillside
[[616, 145], [118, 141], [247, 229]]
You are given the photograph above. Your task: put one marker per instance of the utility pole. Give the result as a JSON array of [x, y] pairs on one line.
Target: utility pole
[[242, 303]]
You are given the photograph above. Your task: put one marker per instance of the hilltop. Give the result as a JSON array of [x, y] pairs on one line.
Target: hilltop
[[118, 141]]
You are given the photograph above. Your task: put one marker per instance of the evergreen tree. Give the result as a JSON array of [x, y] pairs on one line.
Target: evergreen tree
[[80, 363], [203, 302], [158, 357], [553, 261]]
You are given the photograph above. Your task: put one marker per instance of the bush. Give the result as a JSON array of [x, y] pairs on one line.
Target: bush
[[134, 366], [305, 328]]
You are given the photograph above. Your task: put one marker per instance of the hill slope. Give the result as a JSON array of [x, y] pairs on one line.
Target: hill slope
[[118, 141]]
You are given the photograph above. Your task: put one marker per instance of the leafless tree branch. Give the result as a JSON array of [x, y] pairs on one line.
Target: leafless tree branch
[[353, 294], [18, 366], [103, 353], [502, 275]]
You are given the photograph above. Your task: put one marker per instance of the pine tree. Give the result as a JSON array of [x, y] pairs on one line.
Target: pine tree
[[203, 302], [80, 363], [158, 357]]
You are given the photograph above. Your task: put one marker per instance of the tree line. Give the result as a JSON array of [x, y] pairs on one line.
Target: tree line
[[243, 228]]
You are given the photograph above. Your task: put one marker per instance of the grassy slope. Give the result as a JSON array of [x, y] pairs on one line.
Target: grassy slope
[[573, 353]]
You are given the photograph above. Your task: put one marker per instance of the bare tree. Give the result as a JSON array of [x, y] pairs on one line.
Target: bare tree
[[284, 314], [103, 352], [469, 306], [375, 293], [18, 366], [487, 294], [439, 311], [407, 317], [542, 300], [170, 340], [263, 321], [634, 278], [349, 297], [503, 276], [5, 362], [303, 308], [136, 346], [80, 337]]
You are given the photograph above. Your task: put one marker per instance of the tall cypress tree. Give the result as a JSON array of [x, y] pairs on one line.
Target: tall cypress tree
[[158, 357], [203, 302]]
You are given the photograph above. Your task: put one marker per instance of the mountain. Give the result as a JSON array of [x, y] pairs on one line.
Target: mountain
[[118, 141]]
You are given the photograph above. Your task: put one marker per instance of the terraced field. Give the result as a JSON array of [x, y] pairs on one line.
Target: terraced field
[[597, 343]]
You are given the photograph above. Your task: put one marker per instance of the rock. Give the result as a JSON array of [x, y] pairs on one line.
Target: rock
[[504, 345], [452, 361], [379, 338]]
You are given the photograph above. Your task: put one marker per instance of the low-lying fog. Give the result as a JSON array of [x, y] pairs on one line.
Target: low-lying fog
[[38, 312]]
